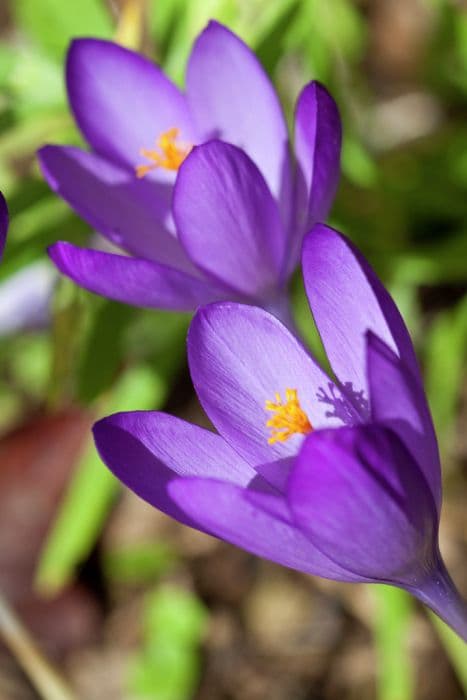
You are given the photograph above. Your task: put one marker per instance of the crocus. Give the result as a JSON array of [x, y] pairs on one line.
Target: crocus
[[3, 222], [25, 298], [199, 189], [335, 478], [25, 295]]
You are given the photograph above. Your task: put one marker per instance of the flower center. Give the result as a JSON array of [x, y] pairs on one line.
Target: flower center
[[170, 153], [288, 418]]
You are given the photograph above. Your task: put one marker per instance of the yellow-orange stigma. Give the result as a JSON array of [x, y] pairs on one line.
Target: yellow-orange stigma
[[170, 154], [289, 417]]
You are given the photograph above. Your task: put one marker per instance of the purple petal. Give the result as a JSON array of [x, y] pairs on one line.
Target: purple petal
[[398, 401], [25, 298], [122, 102], [4, 221], [131, 280], [239, 357], [147, 449], [130, 212], [235, 515], [232, 99], [318, 137], [227, 220], [362, 500], [347, 300]]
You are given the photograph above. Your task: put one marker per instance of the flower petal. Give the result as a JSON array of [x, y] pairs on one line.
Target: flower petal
[[122, 102], [362, 500], [233, 515], [318, 137], [347, 300], [25, 298], [239, 357], [232, 99], [130, 212], [4, 220], [398, 401], [147, 449], [227, 220], [131, 280]]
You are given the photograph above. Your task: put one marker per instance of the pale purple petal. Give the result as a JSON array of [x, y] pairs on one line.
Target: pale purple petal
[[25, 298], [122, 102], [239, 357], [232, 99], [147, 449], [227, 220], [131, 213], [318, 136], [360, 497], [131, 280], [398, 400], [347, 300], [237, 516]]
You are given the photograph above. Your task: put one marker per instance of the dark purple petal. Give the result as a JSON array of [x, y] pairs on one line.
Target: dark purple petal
[[227, 220], [347, 300], [239, 357], [4, 220], [247, 520], [232, 99], [133, 214], [122, 102], [147, 449], [318, 137], [398, 401], [131, 280], [362, 500]]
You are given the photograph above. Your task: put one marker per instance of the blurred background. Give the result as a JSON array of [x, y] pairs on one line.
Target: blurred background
[[125, 603]]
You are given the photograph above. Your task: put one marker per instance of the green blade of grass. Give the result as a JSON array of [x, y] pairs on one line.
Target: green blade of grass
[[455, 648], [92, 490], [391, 624]]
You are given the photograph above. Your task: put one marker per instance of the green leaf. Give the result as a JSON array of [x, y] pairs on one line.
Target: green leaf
[[445, 356], [138, 564], [455, 648], [391, 625], [104, 349], [52, 23], [168, 665], [92, 490]]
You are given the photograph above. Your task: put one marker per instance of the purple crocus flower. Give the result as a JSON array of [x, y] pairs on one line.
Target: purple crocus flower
[[200, 219], [4, 220], [339, 479]]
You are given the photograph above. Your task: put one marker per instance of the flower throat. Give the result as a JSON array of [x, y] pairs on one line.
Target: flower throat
[[169, 155], [288, 417]]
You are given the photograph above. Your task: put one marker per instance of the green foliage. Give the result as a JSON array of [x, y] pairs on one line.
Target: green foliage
[[92, 488], [455, 647], [138, 564], [391, 626], [53, 23], [168, 666], [445, 356]]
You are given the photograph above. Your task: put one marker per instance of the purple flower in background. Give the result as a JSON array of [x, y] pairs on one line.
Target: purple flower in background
[[25, 295], [338, 479], [4, 220], [200, 219]]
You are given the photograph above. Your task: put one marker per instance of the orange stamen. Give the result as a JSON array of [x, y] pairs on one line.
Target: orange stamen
[[289, 418], [170, 155]]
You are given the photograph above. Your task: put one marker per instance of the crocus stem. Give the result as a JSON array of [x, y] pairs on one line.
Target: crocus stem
[[281, 309], [440, 594], [45, 679]]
